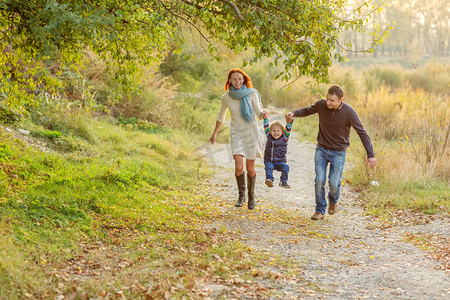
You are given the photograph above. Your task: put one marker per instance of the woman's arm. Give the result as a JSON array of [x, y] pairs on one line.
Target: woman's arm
[[257, 106], [212, 139], [220, 119]]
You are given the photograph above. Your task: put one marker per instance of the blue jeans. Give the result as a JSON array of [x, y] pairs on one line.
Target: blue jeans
[[322, 158], [278, 166]]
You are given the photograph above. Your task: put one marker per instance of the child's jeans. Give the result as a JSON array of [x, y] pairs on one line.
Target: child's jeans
[[278, 166]]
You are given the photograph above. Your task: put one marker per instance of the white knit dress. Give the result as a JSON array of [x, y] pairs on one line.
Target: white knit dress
[[246, 138]]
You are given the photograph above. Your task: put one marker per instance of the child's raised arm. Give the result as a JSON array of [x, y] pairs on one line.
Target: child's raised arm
[[289, 118], [287, 131], [266, 126], [265, 114]]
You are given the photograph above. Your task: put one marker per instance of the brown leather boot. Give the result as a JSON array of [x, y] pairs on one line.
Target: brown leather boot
[[251, 191], [241, 187]]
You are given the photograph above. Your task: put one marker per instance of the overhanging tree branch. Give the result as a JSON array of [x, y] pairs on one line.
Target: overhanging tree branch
[[201, 7], [235, 8], [367, 50], [185, 20], [301, 34]]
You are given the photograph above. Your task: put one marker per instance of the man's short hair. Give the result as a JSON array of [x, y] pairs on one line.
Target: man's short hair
[[336, 90], [276, 124]]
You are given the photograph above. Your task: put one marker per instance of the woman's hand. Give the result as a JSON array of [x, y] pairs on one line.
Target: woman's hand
[[263, 114], [212, 139]]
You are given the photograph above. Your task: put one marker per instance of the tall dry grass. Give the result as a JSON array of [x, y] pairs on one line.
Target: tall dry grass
[[415, 127], [155, 103]]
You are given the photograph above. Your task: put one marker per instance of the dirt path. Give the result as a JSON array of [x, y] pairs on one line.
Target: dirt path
[[345, 256]]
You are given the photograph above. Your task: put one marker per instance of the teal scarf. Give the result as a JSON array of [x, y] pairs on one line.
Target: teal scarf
[[244, 95]]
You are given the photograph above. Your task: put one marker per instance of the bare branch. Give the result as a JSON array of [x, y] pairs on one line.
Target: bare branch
[[362, 51], [236, 9], [363, 16], [185, 20], [283, 12], [291, 82]]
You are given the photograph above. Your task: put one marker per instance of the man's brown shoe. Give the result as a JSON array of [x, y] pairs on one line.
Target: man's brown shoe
[[317, 216], [333, 209]]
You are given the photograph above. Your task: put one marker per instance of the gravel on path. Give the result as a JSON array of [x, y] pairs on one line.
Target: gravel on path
[[345, 256]]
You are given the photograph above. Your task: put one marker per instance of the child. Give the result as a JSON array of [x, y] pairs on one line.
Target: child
[[276, 149]]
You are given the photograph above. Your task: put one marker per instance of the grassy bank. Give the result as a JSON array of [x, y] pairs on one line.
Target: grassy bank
[[118, 214]]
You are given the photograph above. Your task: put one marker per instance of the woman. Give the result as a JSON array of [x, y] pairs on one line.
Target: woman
[[245, 105]]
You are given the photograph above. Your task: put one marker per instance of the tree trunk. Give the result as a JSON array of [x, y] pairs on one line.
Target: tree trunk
[[363, 47]]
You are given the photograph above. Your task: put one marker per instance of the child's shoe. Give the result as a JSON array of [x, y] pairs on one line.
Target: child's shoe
[[284, 185], [269, 182]]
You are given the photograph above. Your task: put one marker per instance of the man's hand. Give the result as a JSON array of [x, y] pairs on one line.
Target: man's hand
[[289, 117], [371, 162]]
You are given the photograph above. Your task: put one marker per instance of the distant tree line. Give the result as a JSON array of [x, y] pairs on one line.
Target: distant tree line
[[420, 28]]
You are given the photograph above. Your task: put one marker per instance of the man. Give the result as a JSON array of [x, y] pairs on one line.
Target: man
[[335, 121]]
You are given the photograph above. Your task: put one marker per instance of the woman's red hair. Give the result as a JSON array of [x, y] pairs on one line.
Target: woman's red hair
[[247, 80]]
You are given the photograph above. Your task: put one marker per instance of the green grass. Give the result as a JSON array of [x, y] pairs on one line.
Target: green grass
[[118, 196], [307, 128], [429, 197]]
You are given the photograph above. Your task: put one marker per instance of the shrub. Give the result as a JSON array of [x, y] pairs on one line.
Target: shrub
[[9, 115], [5, 152], [431, 78], [46, 134], [187, 72], [376, 76], [347, 78]]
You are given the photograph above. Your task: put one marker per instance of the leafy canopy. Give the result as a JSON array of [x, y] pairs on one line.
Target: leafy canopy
[[302, 35]]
